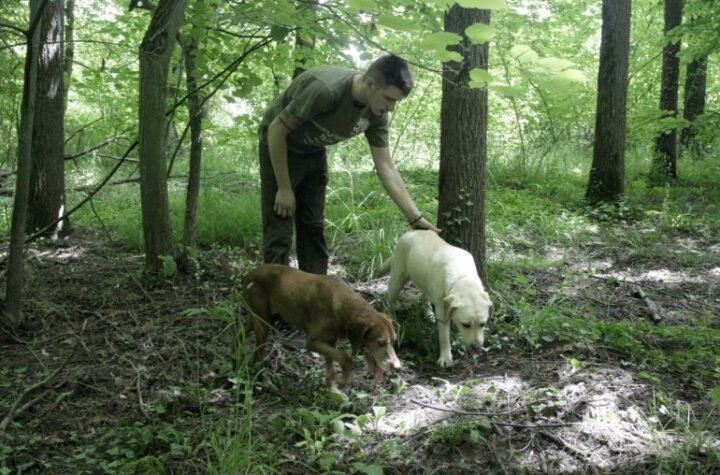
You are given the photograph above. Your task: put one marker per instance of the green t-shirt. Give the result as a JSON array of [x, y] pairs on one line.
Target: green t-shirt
[[318, 109]]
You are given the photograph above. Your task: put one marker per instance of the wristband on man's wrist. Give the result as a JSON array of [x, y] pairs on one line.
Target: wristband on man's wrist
[[414, 221]]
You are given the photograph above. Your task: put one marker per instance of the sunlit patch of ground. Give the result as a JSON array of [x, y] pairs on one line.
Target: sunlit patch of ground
[[573, 420]]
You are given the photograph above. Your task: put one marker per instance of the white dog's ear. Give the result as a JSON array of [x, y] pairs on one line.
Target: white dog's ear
[[450, 307]]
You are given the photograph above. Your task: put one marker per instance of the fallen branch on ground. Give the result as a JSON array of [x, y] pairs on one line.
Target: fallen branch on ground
[[652, 308]]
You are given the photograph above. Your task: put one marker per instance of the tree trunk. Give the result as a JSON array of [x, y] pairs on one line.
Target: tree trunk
[[607, 173], [195, 113], [463, 142], [47, 177], [12, 310], [69, 46], [155, 53], [694, 104], [664, 166]]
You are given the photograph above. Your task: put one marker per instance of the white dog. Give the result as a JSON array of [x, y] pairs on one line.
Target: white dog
[[447, 277]]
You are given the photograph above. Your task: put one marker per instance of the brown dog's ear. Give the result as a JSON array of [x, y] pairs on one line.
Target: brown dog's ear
[[391, 324], [356, 333]]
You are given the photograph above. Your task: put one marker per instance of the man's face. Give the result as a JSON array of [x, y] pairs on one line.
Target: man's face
[[384, 99]]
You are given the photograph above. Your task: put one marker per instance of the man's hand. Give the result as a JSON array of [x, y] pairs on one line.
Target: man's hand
[[285, 202], [423, 223]]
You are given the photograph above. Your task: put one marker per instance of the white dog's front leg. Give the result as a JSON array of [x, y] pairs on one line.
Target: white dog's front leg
[[446, 358], [395, 285]]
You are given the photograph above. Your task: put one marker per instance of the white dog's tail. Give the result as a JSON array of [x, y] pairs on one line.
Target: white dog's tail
[[384, 268]]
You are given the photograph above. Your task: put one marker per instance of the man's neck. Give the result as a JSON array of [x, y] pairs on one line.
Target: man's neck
[[359, 91]]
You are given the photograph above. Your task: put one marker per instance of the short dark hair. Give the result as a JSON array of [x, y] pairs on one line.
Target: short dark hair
[[391, 70]]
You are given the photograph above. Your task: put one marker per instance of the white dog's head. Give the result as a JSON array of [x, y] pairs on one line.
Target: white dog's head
[[470, 308]]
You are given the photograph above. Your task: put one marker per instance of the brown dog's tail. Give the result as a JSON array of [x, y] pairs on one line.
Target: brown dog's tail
[[224, 264], [230, 270]]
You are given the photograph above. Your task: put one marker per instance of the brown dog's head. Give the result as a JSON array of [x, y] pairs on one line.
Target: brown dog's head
[[374, 335]]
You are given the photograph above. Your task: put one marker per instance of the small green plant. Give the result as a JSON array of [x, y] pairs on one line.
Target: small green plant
[[321, 433]]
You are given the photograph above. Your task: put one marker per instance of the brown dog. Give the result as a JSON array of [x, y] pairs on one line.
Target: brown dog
[[325, 308]]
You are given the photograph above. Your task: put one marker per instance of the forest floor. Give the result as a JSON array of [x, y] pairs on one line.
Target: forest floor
[[112, 370]]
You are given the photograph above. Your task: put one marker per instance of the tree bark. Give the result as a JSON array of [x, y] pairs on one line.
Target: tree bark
[[155, 53], [694, 105], [12, 309], [47, 177], [195, 113], [463, 142], [69, 46], [607, 173], [664, 165]]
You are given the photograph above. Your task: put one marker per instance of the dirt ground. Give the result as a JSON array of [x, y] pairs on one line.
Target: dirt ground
[[105, 356]]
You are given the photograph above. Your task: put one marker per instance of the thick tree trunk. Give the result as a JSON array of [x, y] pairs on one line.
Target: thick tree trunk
[[69, 46], [607, 173], [463, 142], [664, 165], [155, 53], [47, 178], [12, 309], [694, 105], [195, 113]]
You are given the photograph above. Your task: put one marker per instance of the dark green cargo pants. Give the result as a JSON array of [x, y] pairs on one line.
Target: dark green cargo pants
[[309, 178]]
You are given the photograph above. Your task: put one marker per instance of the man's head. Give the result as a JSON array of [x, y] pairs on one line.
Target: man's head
[[389, 80]]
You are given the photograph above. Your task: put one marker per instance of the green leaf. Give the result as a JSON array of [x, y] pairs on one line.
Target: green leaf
[[715, 395], [439, 40], [286, 7], [379, 411], [508, 91], [363, 5], [338, 426], [362, 420], [484, 422], [479, 78], [482, 4], [326, 461], [371, 469], [169, 266], [278, 33], [555, 64], [480, 33], [524, 54], [445, 56], [398, 23], [570, 75]]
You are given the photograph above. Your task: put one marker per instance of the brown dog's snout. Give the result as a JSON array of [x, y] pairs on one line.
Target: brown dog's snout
[[394, 361], [395, 365]]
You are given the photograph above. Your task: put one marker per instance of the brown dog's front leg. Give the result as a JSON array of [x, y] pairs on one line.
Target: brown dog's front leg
[[262, 332], [330, 376], [331, 355]]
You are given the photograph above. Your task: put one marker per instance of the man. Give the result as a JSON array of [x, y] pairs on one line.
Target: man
[[323, 106]]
